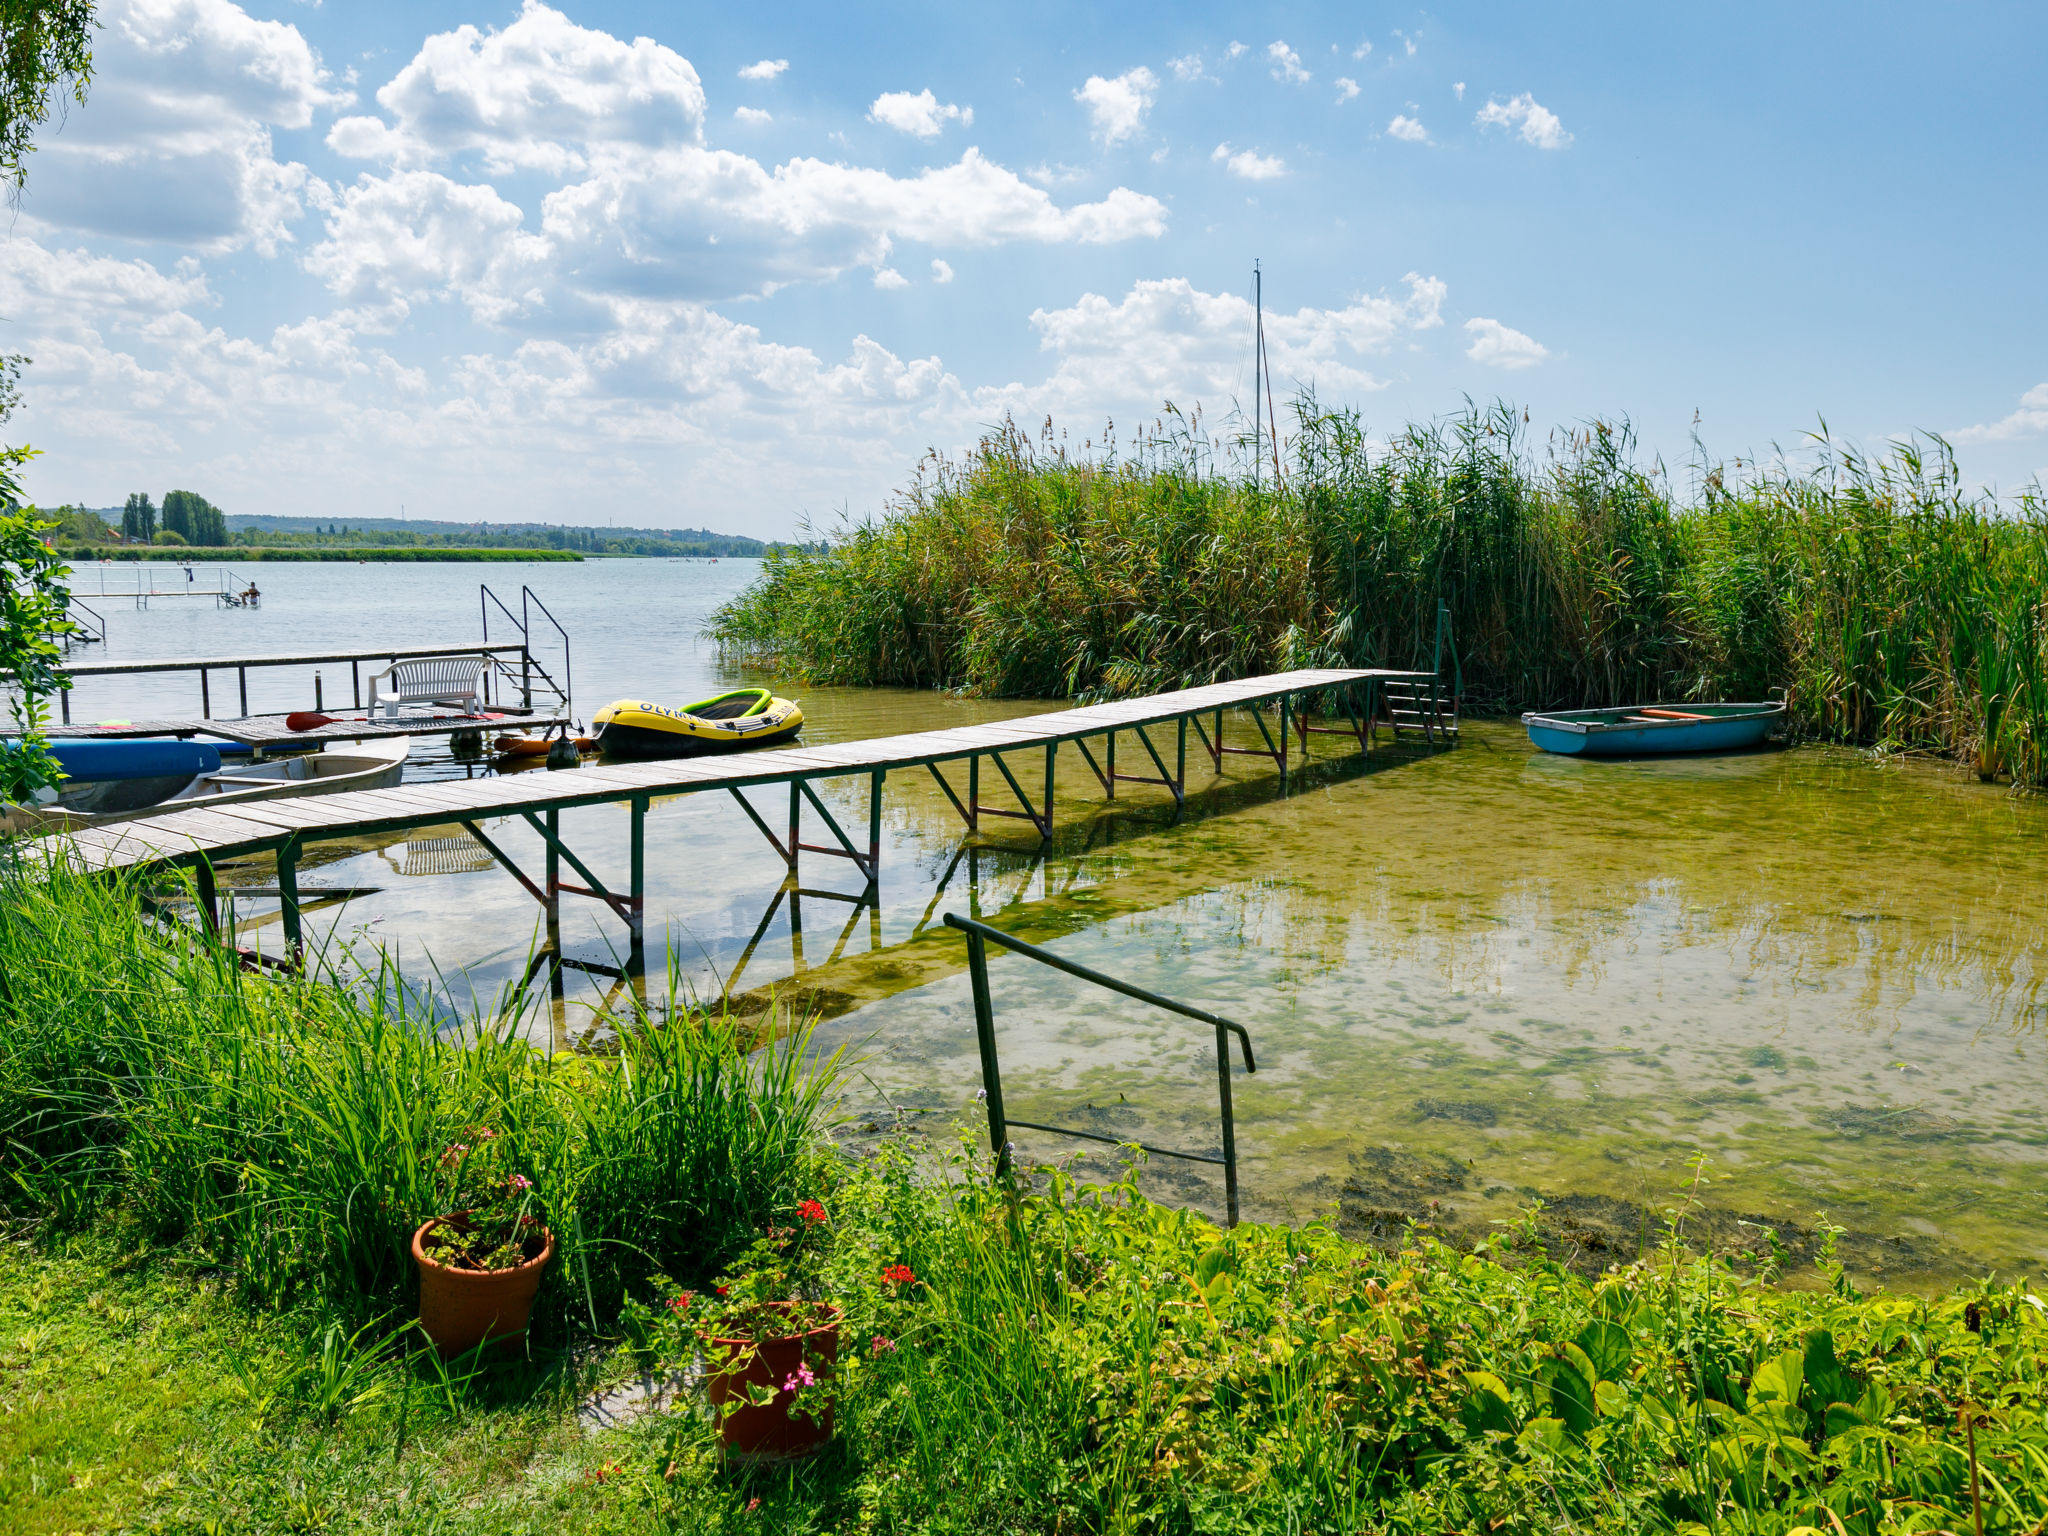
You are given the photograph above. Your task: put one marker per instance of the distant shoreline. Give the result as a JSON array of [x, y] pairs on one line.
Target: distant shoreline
[[222, 554]]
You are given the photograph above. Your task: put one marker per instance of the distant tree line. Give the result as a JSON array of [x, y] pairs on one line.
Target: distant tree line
[[188, 519]]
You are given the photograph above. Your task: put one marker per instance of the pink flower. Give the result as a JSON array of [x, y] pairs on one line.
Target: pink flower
[[800, 1378], [882, 1346], [520, 1181], [810, 1210]]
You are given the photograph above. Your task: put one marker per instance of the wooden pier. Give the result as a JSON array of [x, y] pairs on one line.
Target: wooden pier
[[286, 828]]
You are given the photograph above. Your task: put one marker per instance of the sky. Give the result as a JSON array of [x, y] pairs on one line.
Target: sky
[[744, 266]]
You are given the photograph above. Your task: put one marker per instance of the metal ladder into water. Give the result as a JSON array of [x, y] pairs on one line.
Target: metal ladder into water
[[528, 674]]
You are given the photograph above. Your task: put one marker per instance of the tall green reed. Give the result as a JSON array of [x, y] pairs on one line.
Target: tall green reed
[[293, 1127], [1891, 605]]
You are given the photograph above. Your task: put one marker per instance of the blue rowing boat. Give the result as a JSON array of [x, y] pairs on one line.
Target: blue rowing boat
[[1654, 730]]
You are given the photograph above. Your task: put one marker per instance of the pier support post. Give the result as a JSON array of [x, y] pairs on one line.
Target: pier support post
[[1180, 759], [1109, 778], [636, 922], [973, 794], [1286, 723], [553, 882], [1052, 751], [205, 697], [796, 816], [209, 897], [875, 828], [288, 897], [242, 676]]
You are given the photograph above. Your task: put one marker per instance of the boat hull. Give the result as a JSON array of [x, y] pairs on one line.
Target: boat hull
[[645, 743], [1608, 733]]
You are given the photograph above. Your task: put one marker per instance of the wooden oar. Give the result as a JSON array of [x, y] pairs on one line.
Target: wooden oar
[[1671, 714]]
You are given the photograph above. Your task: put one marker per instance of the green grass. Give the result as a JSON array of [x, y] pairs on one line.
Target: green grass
[[1894, 607], [294, 1128]]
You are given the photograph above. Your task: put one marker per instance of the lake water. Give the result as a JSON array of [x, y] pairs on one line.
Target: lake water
[[1475, 978]]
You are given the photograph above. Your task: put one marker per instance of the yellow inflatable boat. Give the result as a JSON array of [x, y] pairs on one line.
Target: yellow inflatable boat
[[731, 722]]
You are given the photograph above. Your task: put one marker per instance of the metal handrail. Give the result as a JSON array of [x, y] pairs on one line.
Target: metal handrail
[[528, 595], [979, 935]]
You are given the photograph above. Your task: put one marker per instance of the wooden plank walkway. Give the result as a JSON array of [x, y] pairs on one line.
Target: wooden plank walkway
[[184, 837]]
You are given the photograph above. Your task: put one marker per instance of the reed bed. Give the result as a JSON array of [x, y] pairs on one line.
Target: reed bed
[[295, 1129], [1892, 606]]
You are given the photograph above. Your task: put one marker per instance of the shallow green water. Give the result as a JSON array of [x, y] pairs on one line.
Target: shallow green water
[[1485, 976]]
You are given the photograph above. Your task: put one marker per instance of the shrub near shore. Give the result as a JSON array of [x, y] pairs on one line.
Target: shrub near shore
[[1893, 607], [1059, 1360]]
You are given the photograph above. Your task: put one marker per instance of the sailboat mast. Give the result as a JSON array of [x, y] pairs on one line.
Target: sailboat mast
[[1258, 361]]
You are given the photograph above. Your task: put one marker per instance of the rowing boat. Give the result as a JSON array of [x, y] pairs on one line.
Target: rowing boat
[[1654, 730]]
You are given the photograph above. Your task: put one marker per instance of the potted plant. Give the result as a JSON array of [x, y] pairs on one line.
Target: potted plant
[[771, 1344], [480, 1264]]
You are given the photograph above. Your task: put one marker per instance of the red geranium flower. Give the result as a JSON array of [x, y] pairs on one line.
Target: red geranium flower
[[898, 1274], [680, 1303], [810, 1210]]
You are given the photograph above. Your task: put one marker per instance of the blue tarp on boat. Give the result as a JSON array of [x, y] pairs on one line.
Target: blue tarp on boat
[[146, 757]]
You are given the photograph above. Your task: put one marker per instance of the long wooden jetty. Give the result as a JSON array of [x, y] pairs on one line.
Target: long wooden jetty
[[286, 828]]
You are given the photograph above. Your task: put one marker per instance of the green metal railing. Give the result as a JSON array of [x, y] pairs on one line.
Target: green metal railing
[[979, 937]]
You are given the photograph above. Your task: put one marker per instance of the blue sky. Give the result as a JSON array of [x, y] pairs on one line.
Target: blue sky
[[742, 266]]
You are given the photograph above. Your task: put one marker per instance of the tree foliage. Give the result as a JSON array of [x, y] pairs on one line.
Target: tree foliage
[[45, 49], [194, 519], [138, 519]]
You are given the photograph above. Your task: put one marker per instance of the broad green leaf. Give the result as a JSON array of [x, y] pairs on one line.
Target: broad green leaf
[[1825, 1377], [1567, 1394], [1545, 1434], [1210, 1263], [1607, 1347], [1610, 1396], [1487, 1406], [1779, 1378]]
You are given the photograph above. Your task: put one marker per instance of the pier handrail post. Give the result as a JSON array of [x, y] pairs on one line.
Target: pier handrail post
[[242, 678], [985, 1037], [1229, 1123]]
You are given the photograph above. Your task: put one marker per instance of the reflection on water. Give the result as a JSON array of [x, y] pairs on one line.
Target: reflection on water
[[1474, 978]]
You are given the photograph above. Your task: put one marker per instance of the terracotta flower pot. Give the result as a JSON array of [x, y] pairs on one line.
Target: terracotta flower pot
[[461, 1308], [771, 1431]]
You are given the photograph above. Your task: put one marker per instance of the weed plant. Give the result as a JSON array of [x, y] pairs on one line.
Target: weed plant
[[1891, 606], [295, 1129]]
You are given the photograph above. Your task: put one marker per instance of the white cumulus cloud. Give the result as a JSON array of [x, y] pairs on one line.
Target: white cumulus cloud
[[175, 142], [1117, 107], [942, 270], [1408, 129], [1347, 89], [1286, 64], [1536, 124], [767, 69], [1249, 164], [889, 277], [1498, 346], [753, 117], [2030, 420], [535, 96], [922, 116], [1188, 67]]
